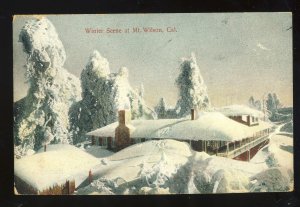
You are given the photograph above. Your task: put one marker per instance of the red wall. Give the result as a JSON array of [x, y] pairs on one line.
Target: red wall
[[253, 151]]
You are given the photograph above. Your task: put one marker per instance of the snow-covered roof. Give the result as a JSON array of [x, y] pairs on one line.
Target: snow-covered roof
[[60, 163], [237, 110], [208, 126]]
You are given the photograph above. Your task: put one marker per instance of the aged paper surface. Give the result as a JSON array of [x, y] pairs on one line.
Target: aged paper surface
[[153, 103]]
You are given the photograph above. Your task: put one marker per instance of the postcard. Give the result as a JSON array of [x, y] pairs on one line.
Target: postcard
[[130, 104]]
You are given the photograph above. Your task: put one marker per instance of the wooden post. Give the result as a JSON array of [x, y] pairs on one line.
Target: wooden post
[[192, 114], [227, 147], [68, 187], [45, 148], [109, 142], [248, 155], [90, 177]]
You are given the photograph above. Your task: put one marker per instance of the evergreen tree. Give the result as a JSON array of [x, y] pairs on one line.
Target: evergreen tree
[[96, 109], [192, 90], [270, 103], [140, 100], [103, 95], [257, 105], [42, 116], [251, 102], [161, 109], [277, 104]]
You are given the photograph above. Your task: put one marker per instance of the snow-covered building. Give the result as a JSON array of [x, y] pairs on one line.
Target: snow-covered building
[[59, 170], [242, 114], [238, 136]]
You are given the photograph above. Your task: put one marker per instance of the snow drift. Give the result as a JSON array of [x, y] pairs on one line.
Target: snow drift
[[156, 167], [171, 167]]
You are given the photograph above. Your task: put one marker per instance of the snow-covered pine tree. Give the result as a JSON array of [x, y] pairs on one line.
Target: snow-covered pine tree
[[257, 105], [103, 95], [42, 116], [96, 109], [276, 101], [161, 109], [251, 102], [192, 89], [140, 100], [141, 90], [270, 103]]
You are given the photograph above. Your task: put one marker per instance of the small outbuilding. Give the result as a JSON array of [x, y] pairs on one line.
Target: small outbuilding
[[57, 171]]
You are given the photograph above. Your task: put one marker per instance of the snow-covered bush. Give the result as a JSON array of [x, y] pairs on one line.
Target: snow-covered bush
[[21, 151], [202, 182], [271, 180], [271, 161], [229, 181], [179, 182], [99, 186], [42, 116], [158, 174]]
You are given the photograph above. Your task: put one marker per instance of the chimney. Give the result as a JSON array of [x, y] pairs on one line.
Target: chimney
[[193, 114], [124, 117], [248, 120], [122, 132]]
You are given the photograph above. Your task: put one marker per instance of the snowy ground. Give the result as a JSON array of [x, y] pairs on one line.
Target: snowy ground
[[278, 157], [98, 151], [171, 167]]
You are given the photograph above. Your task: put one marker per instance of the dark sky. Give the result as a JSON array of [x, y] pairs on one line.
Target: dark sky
[[239, 54]]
